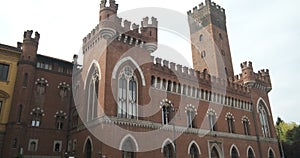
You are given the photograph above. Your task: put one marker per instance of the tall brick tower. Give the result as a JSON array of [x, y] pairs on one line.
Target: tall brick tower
[[210, 45]]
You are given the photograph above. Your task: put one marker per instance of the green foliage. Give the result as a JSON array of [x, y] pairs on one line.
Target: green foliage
[[289, 135], [283, 128]]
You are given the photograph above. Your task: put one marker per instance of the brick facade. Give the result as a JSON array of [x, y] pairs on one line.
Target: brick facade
[[122, 102]]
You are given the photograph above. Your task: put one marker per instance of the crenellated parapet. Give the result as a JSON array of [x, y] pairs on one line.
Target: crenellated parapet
[[189, 74], [114, 28], [28, 36], [203, 14], [248, 77], [29, 46]]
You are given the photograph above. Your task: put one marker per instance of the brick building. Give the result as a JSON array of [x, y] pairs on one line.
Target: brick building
[[129, 104]]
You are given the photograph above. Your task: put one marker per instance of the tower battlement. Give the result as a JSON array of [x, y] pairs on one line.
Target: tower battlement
[[112, 5], [247, 65], [28, 36], [112, 27], [249, 77], [145, 22], [203, 9]]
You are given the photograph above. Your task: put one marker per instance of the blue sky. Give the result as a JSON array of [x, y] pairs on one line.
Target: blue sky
[[264, 32]]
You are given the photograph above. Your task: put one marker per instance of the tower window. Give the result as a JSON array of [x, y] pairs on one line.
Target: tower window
[[223, 52], [201, 38], [221, 36], [203, 54]]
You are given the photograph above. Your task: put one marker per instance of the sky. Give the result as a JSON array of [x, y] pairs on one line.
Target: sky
[[264, 32]]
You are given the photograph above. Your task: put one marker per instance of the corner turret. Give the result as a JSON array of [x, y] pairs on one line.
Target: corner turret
[[260, 80], [107, 11], [248, 76], [30, 46], [149, 31]]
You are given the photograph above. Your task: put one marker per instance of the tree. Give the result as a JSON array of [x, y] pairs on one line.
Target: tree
[[289, 134]]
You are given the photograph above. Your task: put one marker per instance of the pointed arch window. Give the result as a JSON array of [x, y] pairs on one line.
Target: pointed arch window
[[168, 151], [191, 113], [211, 114], [194, 153], [246, 125], [230, 122], [250, 153], [128, 148], [234, 153], [214, 153], [93, 89], [88, 149], [263, 116], [127, 94], [271, 154], [166, 109]]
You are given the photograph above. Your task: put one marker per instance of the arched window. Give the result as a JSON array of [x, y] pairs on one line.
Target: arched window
[[128, 148], [214, 153], [57, 146], [37, 114], [234, 153], [250, 153], [201, 38], [88, 149], [127, 94], [230, 122], [41, 84], [166, 109], [271, 154], [263, 116], [191, 112], [168, 151], [211, 114], [32, 146], [194, 153], [246, 125], [60, 118], [92, 93]]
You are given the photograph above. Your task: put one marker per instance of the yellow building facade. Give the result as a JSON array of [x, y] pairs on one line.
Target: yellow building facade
[[9, 57]]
